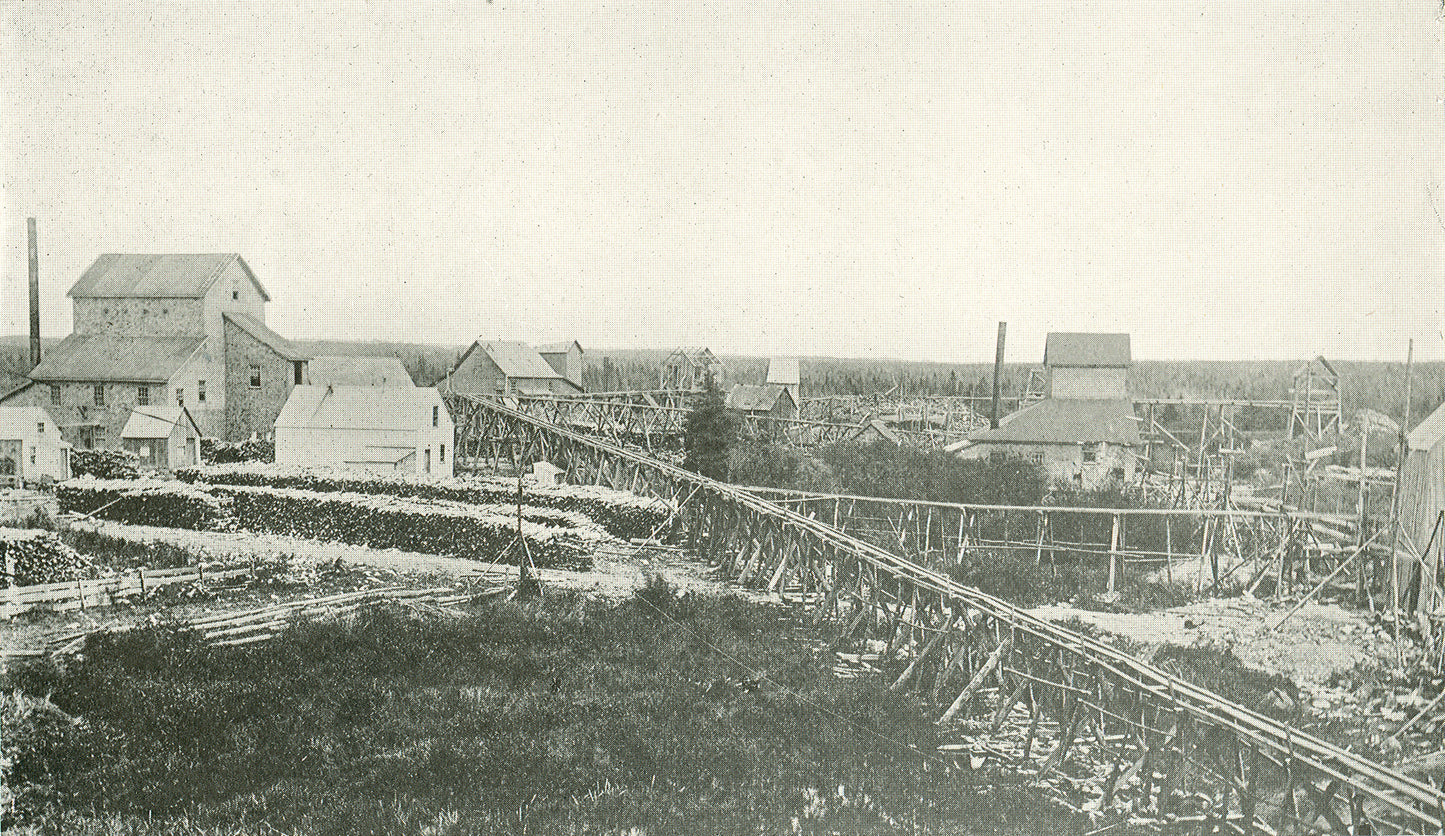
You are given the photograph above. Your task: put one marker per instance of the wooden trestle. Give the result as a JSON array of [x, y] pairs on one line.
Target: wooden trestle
[[1182, 751]]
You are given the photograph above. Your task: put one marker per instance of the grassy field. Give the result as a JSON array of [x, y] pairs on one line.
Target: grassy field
[[559, 716]]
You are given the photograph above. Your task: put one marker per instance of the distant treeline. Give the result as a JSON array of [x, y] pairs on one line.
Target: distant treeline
[[1379, 386]]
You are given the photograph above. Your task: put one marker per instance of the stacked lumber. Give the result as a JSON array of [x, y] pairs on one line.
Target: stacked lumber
[[264, 623]]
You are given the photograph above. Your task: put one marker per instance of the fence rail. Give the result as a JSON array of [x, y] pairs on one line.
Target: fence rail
[[104, 592]]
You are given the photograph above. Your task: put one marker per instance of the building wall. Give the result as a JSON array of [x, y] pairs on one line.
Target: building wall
[[1089, 383], [327, 447], [206, 364], [139, 317], [569, 365], [218, 300], [77, 406], [249, 410], [477, 375], [38, 452], [1065, 462]]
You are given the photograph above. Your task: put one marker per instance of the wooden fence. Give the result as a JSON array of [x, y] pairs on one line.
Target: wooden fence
[[104, 592]]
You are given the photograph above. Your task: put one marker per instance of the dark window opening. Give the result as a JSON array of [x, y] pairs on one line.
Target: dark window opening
[[1091, 452], [255, 376], [442, 454], [55, 395], [436, 416], [143, 395], [180, 396], [298, 369], [99, 394], [200, 391], [235, 295]]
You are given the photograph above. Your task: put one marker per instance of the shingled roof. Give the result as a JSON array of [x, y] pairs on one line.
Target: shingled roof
[[158, 275], [85, 357], [516, 359], [265, 336], [360, 407], [357, 371], [1087, 350]]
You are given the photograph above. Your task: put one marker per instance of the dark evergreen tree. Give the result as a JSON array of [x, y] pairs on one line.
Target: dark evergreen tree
[[711, 433]]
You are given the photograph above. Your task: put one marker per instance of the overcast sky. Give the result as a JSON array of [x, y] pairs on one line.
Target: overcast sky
[[1225, 180]]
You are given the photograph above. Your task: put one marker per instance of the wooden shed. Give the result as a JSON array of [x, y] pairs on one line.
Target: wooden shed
[[31, 448], [164, 437], [1422, 501], [373, 428], [686, 369]]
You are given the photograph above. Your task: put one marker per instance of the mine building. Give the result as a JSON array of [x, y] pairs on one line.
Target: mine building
[[1085, 431], [404, 429], [686, 370], [150, 330], [566, 359], [502, 367], [785, 373]]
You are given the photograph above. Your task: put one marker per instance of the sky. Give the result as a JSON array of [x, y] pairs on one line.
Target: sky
[[1223, 180]]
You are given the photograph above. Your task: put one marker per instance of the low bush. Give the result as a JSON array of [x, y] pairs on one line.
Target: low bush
[[381, 522], [215, 451], [37, 556], [620, 514], [122, 554], [555, 716], [145, 502], [105, 464]]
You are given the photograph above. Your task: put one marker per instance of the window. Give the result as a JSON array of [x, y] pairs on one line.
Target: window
[[143, 395], [298, 369], [200, 391], [180, 396], [436, 416], [145, 451], [235, 295], [1037, 457], [40, 428], [255, 376], [442, 454], [1091, 452], [99, 394], [55, 395], [99, 436]]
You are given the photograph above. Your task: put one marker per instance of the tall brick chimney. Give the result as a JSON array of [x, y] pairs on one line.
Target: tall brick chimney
[[34, 295]]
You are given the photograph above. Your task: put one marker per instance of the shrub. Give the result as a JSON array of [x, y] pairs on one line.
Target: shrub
[[215, 451], [620, 514], [168, 504], [105, 464], [37, 556]]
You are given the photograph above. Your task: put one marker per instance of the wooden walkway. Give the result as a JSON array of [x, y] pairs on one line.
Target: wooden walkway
[[1178, 750]]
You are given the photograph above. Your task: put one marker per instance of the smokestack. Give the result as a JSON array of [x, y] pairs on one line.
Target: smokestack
[[997, 377], [34, 295]]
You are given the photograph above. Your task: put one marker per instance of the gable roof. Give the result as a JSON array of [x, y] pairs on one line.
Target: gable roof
[[156, 421], [515, 359], [695, 354], [560, 348], [357, 371], [751, 397], [400, 408], [1090, 350], [264, 335], [784, 372], [20, 421], [1066, 422], [150, 275], [105, 357], [1428, 433]]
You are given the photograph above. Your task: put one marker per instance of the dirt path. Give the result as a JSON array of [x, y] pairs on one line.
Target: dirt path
[[1316, 643]]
